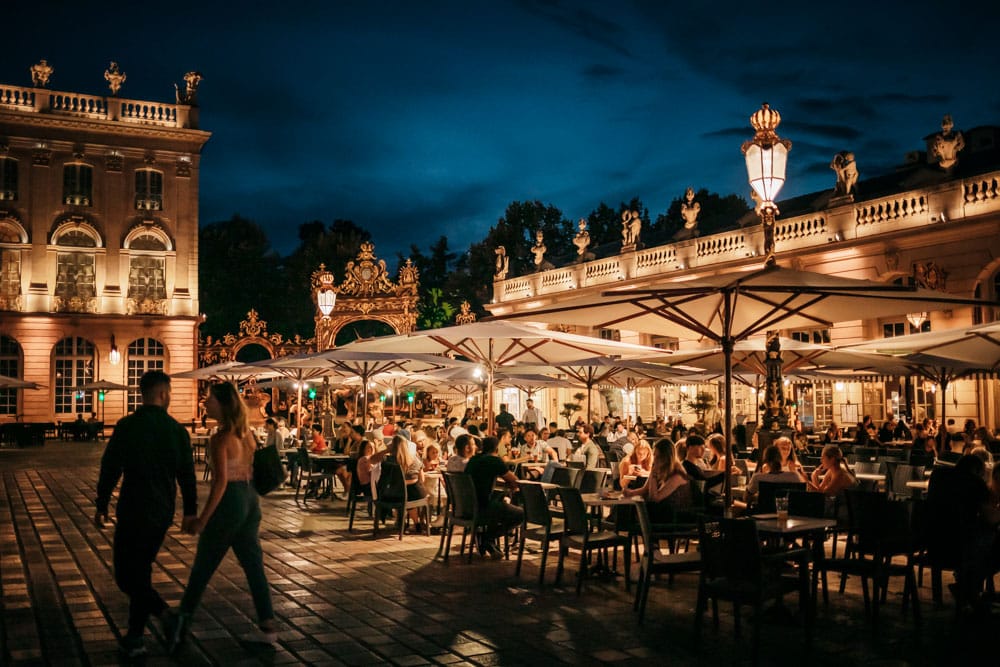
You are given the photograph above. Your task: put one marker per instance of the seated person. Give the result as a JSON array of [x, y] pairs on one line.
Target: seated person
[[364, 469], [319, 445], [465, 447], [432, 457], [499, 515], [667, 489], [771, 470], [831, 477], [588, 449], [695, 465], [833, 434], [636, 465], [789, 461], [399, 454]]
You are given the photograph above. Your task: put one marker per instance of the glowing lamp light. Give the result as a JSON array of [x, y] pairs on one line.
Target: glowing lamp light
[[766, 155], [114, 357], [100, 396], [839, 386], [916, 320], [326, 300]]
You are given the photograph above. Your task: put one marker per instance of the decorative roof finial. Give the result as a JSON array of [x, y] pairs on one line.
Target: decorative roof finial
[[40, 73], [114, 77]]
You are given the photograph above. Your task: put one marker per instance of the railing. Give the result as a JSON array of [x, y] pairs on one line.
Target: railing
[[800, 228], [149, 113], [96, 107], [18, 98], [891, 209], [723, 244], [981, 189], [800, 234], [74, 104]]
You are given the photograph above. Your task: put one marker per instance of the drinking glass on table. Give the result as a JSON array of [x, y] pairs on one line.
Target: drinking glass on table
[[781, 507]]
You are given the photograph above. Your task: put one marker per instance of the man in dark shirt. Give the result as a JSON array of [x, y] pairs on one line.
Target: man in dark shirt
[[695, 466], [151, 453], [500, 516], [505, 419]]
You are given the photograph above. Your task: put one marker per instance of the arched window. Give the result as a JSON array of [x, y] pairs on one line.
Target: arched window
[[10, 365], [74, 366], [78, 184], [144, 354], [76, 277], [12, 241], [8, 179], [148, 190]]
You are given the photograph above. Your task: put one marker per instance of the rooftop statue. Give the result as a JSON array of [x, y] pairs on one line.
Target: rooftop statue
[[631, 226], [582, 242], [190, 94], [846, 168], [690, 210], [114, 77], [539, 250], [40, 73], [947, 144], [503, 263]]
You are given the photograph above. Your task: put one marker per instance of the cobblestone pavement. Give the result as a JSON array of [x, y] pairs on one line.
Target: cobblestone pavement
[[348, 598]]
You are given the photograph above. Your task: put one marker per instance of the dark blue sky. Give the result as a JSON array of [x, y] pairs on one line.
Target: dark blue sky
[[416, 119]]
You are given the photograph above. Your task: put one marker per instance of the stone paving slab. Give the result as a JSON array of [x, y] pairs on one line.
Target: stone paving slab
[[344, 598]]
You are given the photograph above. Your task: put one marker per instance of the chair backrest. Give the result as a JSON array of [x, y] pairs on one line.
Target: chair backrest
[[536, 505], [591, 480], [919, 458], [563, 477], [712, 549], [645, 528], [950, 457], [868, 467], [743, 468], [865, 453], [901, 474], [881, 527], [574, 511], [807, 503], [579, 465], [767, 491], [741, 552], [391, 483], [462, 495]]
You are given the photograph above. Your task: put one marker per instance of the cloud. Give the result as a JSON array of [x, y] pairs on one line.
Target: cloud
[[581, 22], [602, 72]]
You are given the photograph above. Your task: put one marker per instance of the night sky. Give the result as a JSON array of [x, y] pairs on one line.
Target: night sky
[[417, 119]]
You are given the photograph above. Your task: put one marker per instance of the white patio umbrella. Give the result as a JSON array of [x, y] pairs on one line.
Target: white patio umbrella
[[495, 344], [622, 373], [227, 371], [351, 361], [942, 356], [100, 385], [730, 307]]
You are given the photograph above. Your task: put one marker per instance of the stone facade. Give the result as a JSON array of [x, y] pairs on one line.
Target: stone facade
[[98, 243]]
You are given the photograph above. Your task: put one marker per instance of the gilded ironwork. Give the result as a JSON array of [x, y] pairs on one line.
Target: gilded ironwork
[[465, 316], [253, 331], [367, 293]]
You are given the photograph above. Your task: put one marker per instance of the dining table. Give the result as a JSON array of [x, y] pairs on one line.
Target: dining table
[[811, 530]]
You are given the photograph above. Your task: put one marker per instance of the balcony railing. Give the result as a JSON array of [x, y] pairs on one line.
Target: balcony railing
[[837, 225], [139, 112]]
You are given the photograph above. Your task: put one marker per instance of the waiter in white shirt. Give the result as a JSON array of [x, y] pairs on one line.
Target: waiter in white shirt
[[532, 416]]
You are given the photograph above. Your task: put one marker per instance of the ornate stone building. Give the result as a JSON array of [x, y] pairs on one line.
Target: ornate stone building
[[98, 244], [934, 221]]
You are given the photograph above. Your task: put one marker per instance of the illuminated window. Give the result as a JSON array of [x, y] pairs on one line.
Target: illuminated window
[[75, 276], [146, 278], [893, 329], [78, 184], [8, 179], [144, 354], [666, 343], [10, 365], [74, 366], [148, 190], [610, 334]]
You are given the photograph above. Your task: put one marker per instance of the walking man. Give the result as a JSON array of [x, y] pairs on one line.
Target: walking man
[[151, 453]]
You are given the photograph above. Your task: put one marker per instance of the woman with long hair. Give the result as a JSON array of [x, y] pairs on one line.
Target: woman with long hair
[[412, 467], [832, 476], [230, 518], [667, 488], [772, 469], [636, 465]]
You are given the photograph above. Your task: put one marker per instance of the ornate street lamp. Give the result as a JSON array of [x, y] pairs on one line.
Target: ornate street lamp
[[766, 156], [325, 295]]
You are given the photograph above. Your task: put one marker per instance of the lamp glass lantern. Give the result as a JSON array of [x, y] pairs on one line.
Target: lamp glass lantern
[[326, 299], [114, 356], [766, 169]]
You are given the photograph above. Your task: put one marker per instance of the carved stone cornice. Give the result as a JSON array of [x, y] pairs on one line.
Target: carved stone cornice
[[75, 304], [146, 306]]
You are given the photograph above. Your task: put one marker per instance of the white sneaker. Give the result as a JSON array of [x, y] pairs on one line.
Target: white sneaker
[[259, 636]]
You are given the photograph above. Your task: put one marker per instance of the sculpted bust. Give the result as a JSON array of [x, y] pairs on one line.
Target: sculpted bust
[[947, 144]]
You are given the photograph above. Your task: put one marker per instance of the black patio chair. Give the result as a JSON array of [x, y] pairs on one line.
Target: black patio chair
[[577, 534], [538, 525], [654, 561]]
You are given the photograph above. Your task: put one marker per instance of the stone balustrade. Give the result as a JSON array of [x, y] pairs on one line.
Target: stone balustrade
[[842, 223], [60, 103]]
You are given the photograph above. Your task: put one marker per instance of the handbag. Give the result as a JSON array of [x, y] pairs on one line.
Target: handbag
[[268, 473]]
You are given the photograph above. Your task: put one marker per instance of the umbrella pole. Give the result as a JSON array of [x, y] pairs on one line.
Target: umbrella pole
[[727, 350], [942, 427]]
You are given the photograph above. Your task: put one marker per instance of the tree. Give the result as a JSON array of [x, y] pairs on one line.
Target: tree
[[232, 253], [718, 214], [434, 310], [570, 409], [702, 403]]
